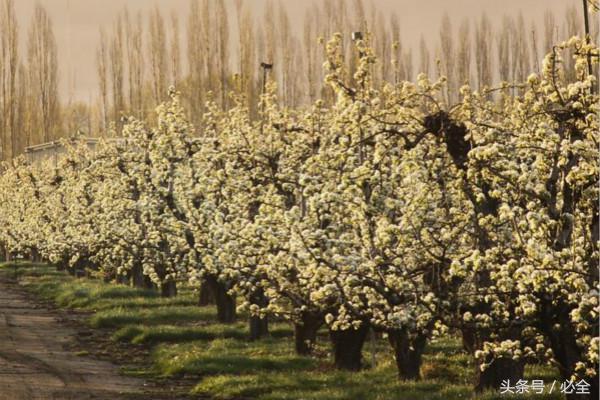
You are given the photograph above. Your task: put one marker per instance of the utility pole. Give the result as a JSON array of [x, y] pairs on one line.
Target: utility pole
[[265, 67]]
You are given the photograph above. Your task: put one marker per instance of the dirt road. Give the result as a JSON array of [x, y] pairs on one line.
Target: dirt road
[[35, 363]]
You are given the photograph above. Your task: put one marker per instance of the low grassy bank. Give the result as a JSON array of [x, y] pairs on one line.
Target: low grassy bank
[[185, 340]]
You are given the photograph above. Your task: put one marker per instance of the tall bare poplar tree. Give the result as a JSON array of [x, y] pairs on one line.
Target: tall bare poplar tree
[[311, 68], [117, 71], [208, 41], [24, 107], [9, 60], [401, 57], [572, 27], [383, 46], [407, 65], [521, 50], [135, 62], [483, 53], [157, 54], [175, 50], [396, 48], [102, 69], [550, 31], [222, 49], [463, 54], [535, 54], [196, 60], [247, 54], [424, 57], [286, 55], [447, 56], [43, 72], [270, 45], [503, 50]]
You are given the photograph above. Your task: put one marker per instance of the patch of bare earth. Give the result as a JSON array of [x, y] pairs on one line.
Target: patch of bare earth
[[39, 358]]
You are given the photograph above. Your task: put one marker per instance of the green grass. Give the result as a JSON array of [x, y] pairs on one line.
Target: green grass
[[121, 316], [228, 356], [144, 334], [375, 384], [186, 340]]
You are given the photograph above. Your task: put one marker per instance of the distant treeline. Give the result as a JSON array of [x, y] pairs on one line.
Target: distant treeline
[[218, 50]]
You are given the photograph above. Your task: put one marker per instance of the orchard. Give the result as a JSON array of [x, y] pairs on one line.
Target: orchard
[[384, 210]]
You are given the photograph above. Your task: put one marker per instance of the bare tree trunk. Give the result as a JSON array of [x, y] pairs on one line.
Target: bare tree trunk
[[408, 353], [259, 326], [557, 327], [43, 71], [347, 347], [34, 255], [168, 289], [226, 312], [138, 279], [123, 279], [157, 54], [206, 295], [9, 60], [499, 370], [305, 332], [102, 69]]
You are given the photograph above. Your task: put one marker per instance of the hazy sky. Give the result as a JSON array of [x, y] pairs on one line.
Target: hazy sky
[[77, 24]]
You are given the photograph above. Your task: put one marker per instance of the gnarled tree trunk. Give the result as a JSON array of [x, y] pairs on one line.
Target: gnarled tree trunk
[[206, 297], [347, 347], [557, 326], [259, 327], [34, 255], [123, 279], [499, 369], [138, 279], [305, 332], [168, 289], [226, 312], [408, 353]]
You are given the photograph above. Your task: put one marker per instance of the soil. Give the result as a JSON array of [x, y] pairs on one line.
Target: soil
[[43, 356]]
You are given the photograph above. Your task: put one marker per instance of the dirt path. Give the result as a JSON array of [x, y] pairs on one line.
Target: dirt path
[[36, 365]]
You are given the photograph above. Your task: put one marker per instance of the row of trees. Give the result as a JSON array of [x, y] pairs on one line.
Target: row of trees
[[387, 209], [474, 52], [141, 54], [29, 101]]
